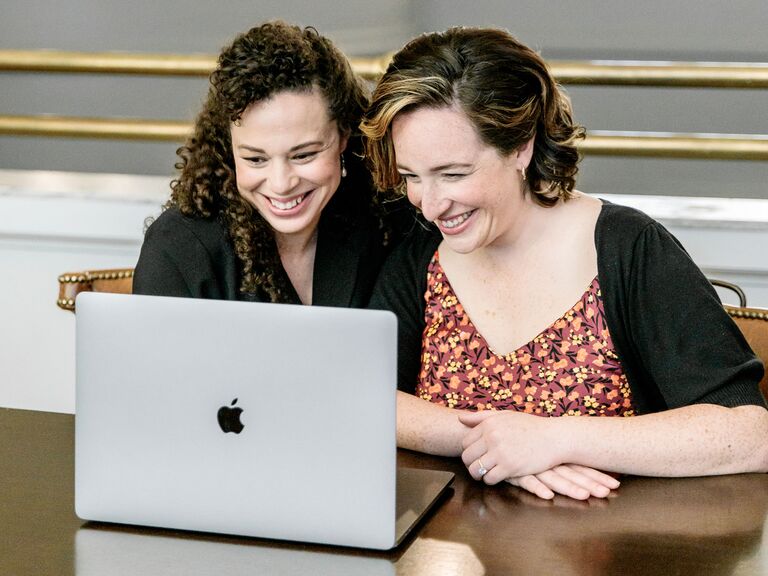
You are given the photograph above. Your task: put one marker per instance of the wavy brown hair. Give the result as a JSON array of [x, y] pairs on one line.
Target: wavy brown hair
[[258, 64], [504, 88]]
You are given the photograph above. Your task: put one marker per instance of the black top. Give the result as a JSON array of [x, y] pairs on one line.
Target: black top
[[676, 343], [193, 257]]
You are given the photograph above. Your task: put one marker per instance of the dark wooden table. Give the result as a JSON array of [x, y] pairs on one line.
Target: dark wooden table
[[695, 526]]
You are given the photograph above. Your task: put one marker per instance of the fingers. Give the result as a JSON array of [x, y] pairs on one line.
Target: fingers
[[480, 468], [574, 481], [533, 485], [473, 435], [590, 474], [473, 451], [564, 485], [482, 465], [472, 419], [485, 468]]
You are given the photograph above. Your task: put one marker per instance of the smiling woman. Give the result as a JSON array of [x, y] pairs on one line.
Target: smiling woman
[[272, 202], [545, 336]]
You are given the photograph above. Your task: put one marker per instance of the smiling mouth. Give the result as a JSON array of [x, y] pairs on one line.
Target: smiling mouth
[[456, 220], [290, 204]]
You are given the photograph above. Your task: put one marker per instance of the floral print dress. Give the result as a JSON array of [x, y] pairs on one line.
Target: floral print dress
[[571, 368]]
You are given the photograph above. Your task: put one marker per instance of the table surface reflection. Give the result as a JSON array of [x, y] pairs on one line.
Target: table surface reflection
[[649, 526]]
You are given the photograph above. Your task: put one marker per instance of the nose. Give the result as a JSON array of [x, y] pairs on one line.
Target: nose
[[282, 178], [427, 197]]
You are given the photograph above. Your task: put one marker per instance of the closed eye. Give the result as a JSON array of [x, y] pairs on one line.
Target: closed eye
[[408, 177], [454, 176], [305, 156], [256, 160]]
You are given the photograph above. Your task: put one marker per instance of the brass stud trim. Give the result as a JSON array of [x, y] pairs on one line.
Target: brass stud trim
[[751, 314]]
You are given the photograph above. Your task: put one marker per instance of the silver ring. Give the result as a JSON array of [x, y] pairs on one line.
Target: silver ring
[[482, 470]]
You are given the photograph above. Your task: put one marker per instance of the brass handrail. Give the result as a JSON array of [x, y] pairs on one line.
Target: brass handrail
[[676, 145], [102, 128], [662, 74], [138, 63], [598, 143], [583, 72], [106, 62]]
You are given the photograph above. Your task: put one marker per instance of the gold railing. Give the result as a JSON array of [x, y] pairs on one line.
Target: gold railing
[[599, 143], [584, 72], [595, 73]]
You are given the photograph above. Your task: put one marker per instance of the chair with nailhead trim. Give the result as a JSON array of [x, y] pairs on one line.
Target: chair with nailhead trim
[[753, 323], [118, 281]]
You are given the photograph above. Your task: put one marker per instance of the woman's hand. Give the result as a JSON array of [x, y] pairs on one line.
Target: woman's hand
[[521, 449], [508, 444], [572, 480]]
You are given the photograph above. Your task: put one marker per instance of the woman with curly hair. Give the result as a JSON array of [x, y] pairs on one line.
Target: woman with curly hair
[[535, 300], [273, 203]]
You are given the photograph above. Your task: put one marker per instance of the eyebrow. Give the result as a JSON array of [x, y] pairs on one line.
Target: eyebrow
[[293, 149], [451, 165]]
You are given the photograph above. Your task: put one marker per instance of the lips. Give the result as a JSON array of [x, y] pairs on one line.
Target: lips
[[455, 221], [287, 205]]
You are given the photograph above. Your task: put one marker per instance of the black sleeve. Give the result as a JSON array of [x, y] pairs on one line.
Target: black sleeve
[[400, 288], [687, 344], [177, 259]]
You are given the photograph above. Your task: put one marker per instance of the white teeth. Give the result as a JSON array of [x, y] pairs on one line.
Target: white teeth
[[453, 222], [287, 205]]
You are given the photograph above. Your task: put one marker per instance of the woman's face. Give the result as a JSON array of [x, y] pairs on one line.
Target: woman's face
[[472, 192], [287, 163]]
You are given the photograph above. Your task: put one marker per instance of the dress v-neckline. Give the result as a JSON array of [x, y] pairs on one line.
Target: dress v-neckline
[[520, 349]]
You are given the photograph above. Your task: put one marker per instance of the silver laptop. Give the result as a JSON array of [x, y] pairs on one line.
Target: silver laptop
[[102, 552], [265, 420]]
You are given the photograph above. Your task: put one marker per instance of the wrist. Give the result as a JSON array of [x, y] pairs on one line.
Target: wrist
[[565, 430]]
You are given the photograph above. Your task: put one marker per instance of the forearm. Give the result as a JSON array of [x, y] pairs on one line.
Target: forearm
[[427, 427], [698, 440]]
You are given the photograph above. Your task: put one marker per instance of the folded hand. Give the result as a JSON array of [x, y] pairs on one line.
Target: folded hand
[[572, 480], [525, 451]]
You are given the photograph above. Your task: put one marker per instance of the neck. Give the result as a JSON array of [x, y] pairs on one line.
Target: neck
[[291, 245], [527, 229], [297, 254]]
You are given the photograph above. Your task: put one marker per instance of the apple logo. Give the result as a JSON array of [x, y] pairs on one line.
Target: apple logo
[[229, 418]]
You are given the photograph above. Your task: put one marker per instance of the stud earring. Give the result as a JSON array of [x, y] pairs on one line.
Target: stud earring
[[343, 167]]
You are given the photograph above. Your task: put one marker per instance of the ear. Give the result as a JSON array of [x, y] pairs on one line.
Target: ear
[[524, 154], [343, 140]]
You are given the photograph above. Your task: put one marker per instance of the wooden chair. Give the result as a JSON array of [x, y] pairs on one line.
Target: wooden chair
[[117, 280], [753, 323]]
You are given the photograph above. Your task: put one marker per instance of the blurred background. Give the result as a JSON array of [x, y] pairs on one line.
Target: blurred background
[[704, 30], [72, 204]]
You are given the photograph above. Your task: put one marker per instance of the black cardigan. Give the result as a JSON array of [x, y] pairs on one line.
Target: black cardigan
[[193, 257], [676, 344]]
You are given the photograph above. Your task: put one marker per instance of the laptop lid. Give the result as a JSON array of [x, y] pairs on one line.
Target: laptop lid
[[101, 552], [264, 420]]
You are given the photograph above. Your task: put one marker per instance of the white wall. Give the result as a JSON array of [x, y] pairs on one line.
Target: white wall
[[52, 223]]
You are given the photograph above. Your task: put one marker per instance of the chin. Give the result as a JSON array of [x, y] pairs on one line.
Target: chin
[[460, 247], [288, 228]]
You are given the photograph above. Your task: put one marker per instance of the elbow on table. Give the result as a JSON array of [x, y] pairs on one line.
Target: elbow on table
[[758, 431], [761, 459]]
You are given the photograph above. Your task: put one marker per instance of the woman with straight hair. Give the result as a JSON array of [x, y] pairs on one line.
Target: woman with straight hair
[[546, 336]]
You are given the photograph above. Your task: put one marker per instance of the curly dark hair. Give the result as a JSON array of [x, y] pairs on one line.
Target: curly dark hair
[[504, 88], [258, 64]]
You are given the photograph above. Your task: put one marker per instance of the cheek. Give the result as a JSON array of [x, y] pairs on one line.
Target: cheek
[[414, 197], [245, 176], [326, 172]]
